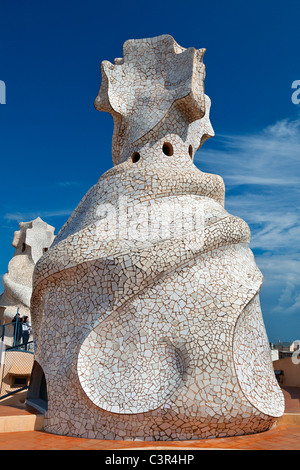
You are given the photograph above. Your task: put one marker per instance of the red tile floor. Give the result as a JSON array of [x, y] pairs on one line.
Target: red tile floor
[[282, 437], [279, 438]]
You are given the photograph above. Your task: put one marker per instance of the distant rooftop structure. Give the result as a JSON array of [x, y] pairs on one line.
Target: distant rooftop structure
[[31, 241], [286, 348]]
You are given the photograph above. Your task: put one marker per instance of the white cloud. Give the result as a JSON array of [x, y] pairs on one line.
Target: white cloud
[[64, 184], [262, 177], [27, 216], [268, 158]]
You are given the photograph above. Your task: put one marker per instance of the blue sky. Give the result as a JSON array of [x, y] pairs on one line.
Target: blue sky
[[54, 145]]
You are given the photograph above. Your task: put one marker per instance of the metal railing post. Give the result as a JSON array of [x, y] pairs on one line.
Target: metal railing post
[[16, 329], [2, 363]]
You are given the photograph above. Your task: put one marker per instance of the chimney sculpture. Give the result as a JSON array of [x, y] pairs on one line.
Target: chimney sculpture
[[30, 242], [146, 307]]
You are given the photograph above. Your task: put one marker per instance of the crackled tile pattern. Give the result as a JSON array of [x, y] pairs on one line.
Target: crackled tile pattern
[[146, 307], [255, 371]]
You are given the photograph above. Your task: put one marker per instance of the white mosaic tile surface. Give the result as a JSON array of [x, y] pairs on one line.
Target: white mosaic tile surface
[[146, 306]]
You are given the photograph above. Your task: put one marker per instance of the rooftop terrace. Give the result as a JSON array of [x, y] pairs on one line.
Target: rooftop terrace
[[285, 436]]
